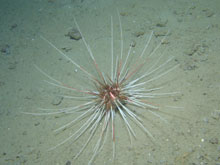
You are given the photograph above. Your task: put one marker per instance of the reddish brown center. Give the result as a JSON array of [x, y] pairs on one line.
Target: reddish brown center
[[109, 94]]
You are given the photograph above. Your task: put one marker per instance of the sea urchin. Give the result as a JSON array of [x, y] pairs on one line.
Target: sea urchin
[[112, 93]]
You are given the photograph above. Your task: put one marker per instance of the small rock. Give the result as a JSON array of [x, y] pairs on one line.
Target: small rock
[[124, 14], [68, 163], [192, 50], [5, 49], [36, 124], [216, 114], [57, 100], [162, 23], [133, 44], [213, 140], [13, 26], [208, 12], [66, 49], [165, 42], [189, 65], [160, 33], [74, 34], [139, 33]]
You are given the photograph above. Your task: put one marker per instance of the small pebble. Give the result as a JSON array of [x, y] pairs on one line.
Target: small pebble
[[74, 34], [133, 44], [68, 163], [216, 114], [5, 49], [192, 49], [208, 12], [13, 26], [162, 23], [57, 100], [139, 33], [160, 33], [36, 124], [213, 140], [124, 14]]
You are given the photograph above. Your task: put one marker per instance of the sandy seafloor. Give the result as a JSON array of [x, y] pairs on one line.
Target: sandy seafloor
[[191, 133]]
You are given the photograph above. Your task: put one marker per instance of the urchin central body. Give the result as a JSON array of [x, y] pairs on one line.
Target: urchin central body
[[110, 94]]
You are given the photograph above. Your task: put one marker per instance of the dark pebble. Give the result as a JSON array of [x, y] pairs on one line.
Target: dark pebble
[[162, 23], [36, 124], [5, 49], [13, 26], [68, 163], [139, 33], [57, 100]]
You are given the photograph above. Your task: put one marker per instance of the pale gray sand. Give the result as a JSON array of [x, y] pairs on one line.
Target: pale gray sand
[[191, 135]]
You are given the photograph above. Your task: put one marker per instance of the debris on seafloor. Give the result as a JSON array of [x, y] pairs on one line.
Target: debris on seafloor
[[74, 34]]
